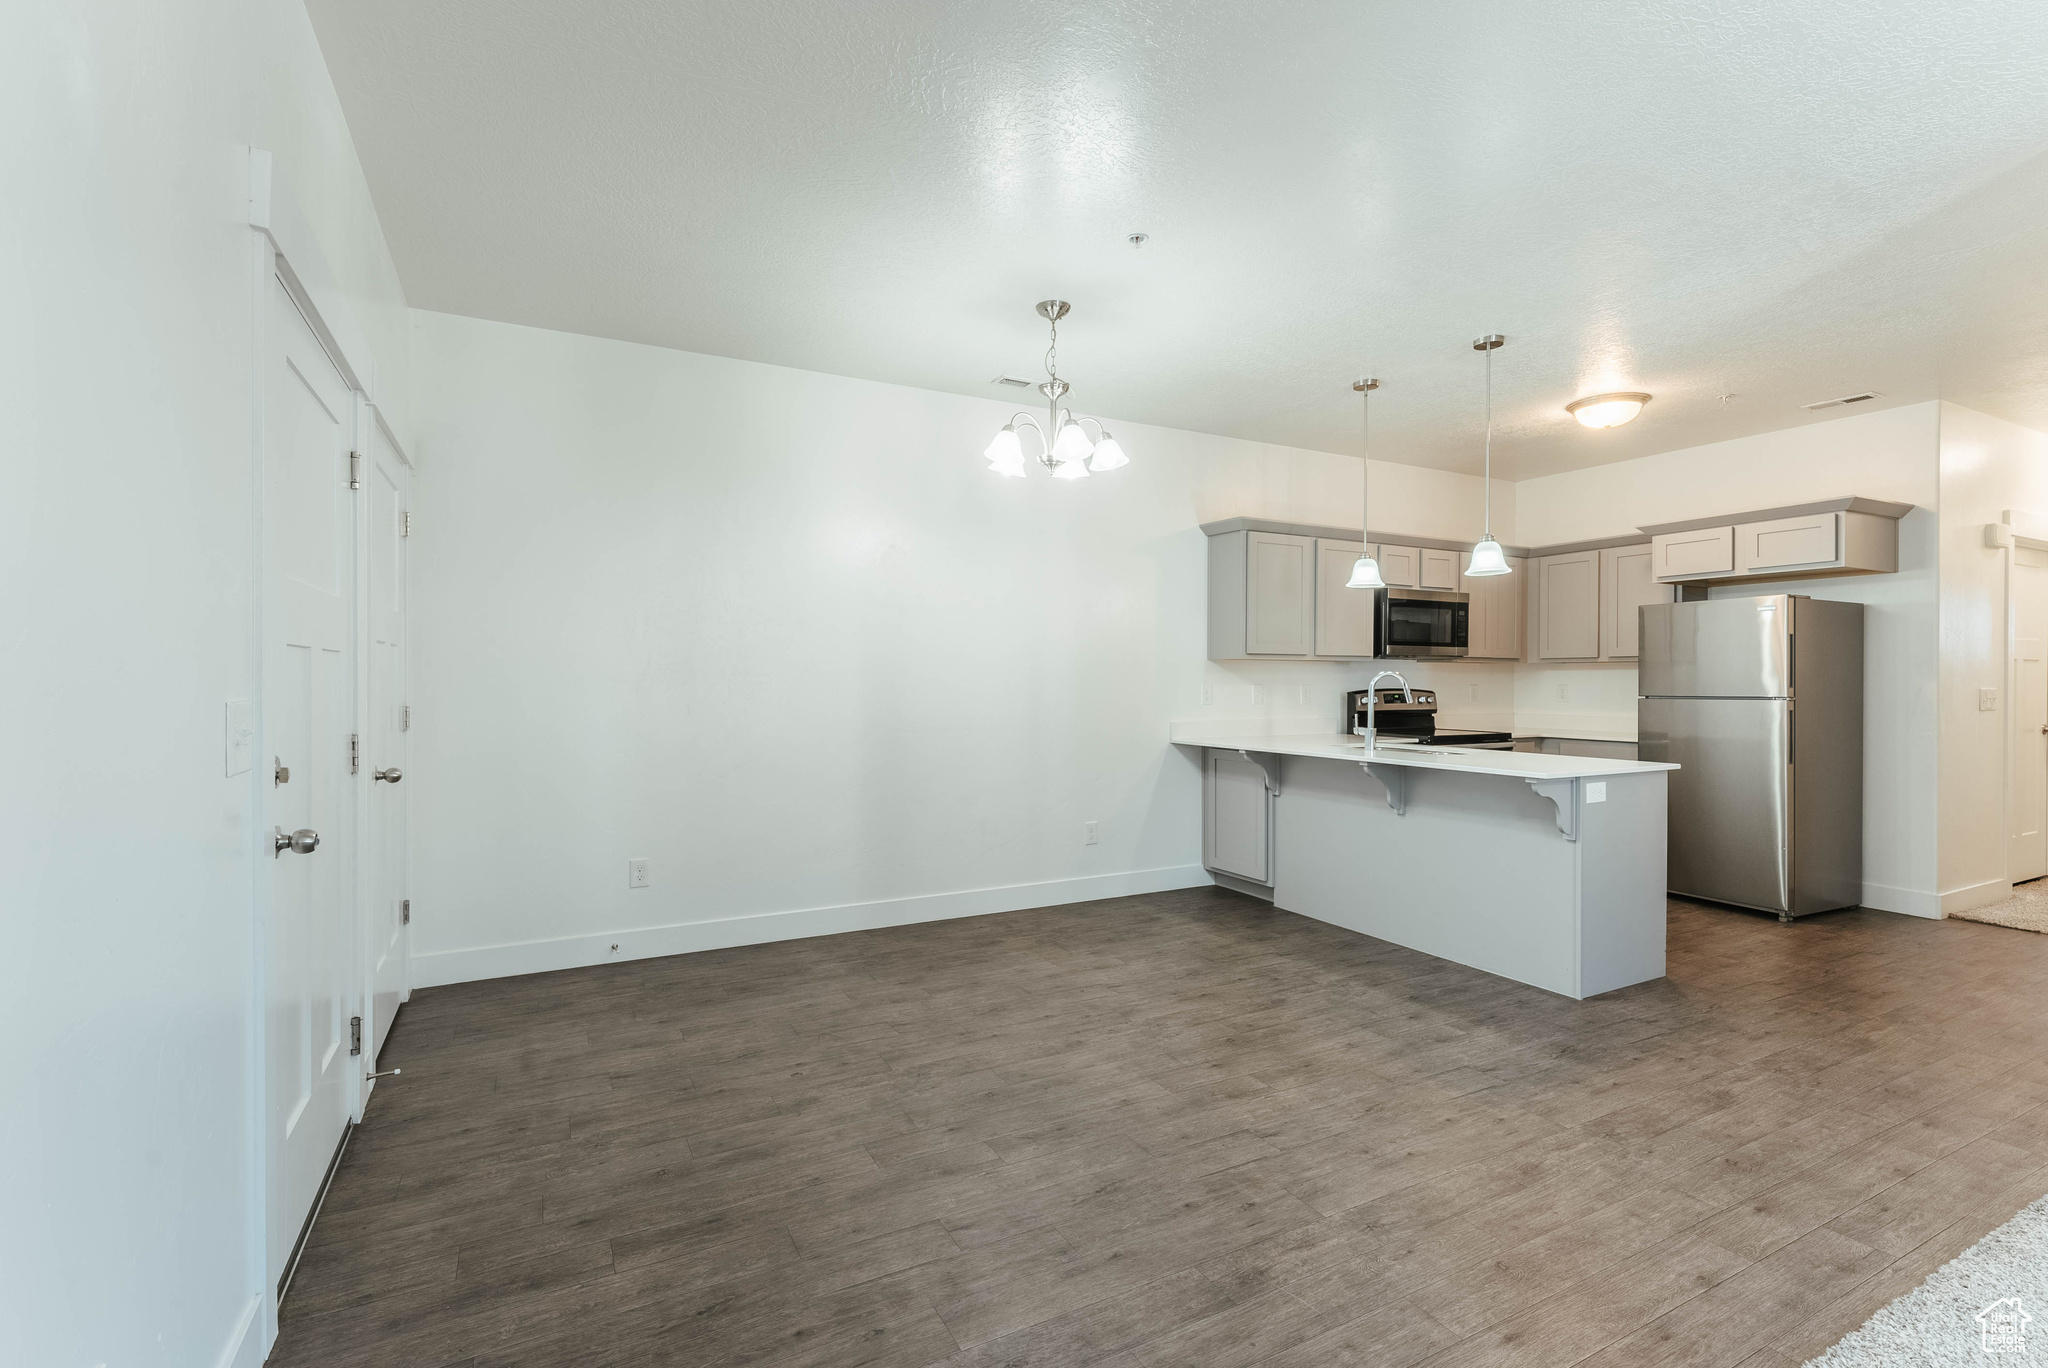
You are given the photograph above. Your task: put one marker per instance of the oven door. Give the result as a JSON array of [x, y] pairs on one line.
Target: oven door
[[1422, 624]]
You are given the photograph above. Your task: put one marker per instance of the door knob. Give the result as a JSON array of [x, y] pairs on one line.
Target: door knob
[[389, 776], [304, 841]]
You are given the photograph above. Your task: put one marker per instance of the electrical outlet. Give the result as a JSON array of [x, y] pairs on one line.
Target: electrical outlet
[[1258, 695], [1471, 693], [1987, 700], [637, 874], [1208, 693], [1089, 832], [1596, 791], [1561, 693], [1301, 694]]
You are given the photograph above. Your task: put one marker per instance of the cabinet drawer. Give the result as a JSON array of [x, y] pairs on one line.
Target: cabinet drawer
[[1439, 569], [1810, 542], [1688, 555]]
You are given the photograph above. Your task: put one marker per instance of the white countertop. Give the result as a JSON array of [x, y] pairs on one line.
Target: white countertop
[[1514, 764]]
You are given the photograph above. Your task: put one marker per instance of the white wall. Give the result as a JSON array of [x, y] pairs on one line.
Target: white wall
[[1988, 467], [1887, 455], [125, 607], [785, 635]]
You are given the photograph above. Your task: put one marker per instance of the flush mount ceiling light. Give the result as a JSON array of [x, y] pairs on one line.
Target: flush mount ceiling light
[[1366, 573], [1064, 447], [1607, 410], [1487, 557]]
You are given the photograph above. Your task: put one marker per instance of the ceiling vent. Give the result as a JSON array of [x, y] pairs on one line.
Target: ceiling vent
[[1012, 380], [1864, 397]]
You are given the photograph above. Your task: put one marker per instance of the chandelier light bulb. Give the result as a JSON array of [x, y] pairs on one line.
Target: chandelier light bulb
[[1108, 455], [1070, 470], [1606, 410], [1006, 453]]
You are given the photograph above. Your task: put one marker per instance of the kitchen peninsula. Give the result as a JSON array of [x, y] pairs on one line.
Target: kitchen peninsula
[[1546, 869]]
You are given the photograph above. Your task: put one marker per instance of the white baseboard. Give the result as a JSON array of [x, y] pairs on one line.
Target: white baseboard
[[1975, 895], [571, 952], [245, 1346], [1912, 902]]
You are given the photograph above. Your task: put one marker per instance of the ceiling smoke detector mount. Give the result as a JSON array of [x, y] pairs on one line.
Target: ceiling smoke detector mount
[[1845, 399]]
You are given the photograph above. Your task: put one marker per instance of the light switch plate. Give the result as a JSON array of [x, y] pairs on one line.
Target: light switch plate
[[241, 736], [1596, 791], [1987, 700], [637, 874]]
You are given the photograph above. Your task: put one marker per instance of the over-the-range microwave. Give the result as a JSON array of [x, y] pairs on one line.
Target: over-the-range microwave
[[1426, 624]]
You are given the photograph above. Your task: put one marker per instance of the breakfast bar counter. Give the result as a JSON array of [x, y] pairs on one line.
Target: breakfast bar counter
[[1546, 869]]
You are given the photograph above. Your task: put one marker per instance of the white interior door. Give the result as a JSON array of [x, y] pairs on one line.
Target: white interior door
[[385, 483], [309, 577], [2029, 855]]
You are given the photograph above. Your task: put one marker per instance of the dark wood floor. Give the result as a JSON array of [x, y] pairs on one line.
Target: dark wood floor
[[1182, 1130]]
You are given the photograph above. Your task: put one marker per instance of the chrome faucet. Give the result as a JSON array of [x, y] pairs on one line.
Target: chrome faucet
[[1370, 732]]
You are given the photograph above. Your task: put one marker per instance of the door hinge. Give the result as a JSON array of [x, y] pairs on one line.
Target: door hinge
[[355, 753], [405, 523], [405, 717], [405, 912], [355, 470], [355, 1035]]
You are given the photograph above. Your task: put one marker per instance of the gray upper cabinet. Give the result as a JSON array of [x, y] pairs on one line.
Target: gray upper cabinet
[[1343, 616], [1693, 553], [1400, 566], [1627, 582], [1439, 569], [1853, 536], [1496, 601], [1262, 592], [1565, 606]]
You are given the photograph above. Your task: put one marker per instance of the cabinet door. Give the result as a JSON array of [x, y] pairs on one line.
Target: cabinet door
[[1497, 612], [1568, 606], [1439, 569], [1237, 830], [1812, 542], [1279, 594], [1343, 616], [1688, 555], [1400, 566], [1626, 584]]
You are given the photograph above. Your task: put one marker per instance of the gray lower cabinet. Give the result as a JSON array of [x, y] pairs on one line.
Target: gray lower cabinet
[[1237, 818], [1564, 606], [1262, 595]]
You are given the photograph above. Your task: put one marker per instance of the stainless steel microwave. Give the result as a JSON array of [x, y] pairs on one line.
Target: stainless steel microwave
[[1425, 624]]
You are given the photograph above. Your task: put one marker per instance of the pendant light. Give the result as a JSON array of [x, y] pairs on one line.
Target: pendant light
[[1487, 557], [1366, 573]]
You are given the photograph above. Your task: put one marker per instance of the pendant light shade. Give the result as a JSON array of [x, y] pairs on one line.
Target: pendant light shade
[[1487, 557], [1108, 455], [1072, 445], [1365, 574], [1071, 470], [1064, 448]]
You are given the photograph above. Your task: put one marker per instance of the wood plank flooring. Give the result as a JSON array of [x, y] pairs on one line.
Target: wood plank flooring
[[1183, 1130]]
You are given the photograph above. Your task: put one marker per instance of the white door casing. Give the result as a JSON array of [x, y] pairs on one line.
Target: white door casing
[[309, 668], [2028, 854], [385, 483]]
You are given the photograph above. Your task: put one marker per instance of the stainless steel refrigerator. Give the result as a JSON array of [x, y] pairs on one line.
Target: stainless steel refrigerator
[[1760, 701]]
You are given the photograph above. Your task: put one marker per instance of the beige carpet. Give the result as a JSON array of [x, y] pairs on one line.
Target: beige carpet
[[2026, 909]]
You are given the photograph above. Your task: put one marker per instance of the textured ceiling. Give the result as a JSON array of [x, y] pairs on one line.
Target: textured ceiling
[[1778, 200]]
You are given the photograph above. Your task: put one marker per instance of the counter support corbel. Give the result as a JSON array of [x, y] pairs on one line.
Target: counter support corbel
[[1564, 795], [1393, 778]]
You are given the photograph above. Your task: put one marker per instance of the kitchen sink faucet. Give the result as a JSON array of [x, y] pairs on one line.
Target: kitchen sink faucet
[[1371, 733]]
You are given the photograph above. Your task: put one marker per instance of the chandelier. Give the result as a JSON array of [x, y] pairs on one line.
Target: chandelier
[[1064, 447]]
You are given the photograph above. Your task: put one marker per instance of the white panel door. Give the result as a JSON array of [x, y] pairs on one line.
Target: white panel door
[[2028, 858], [1568, 606], [1280, 593], [384, 755], [309, 575], [1343, 616]]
